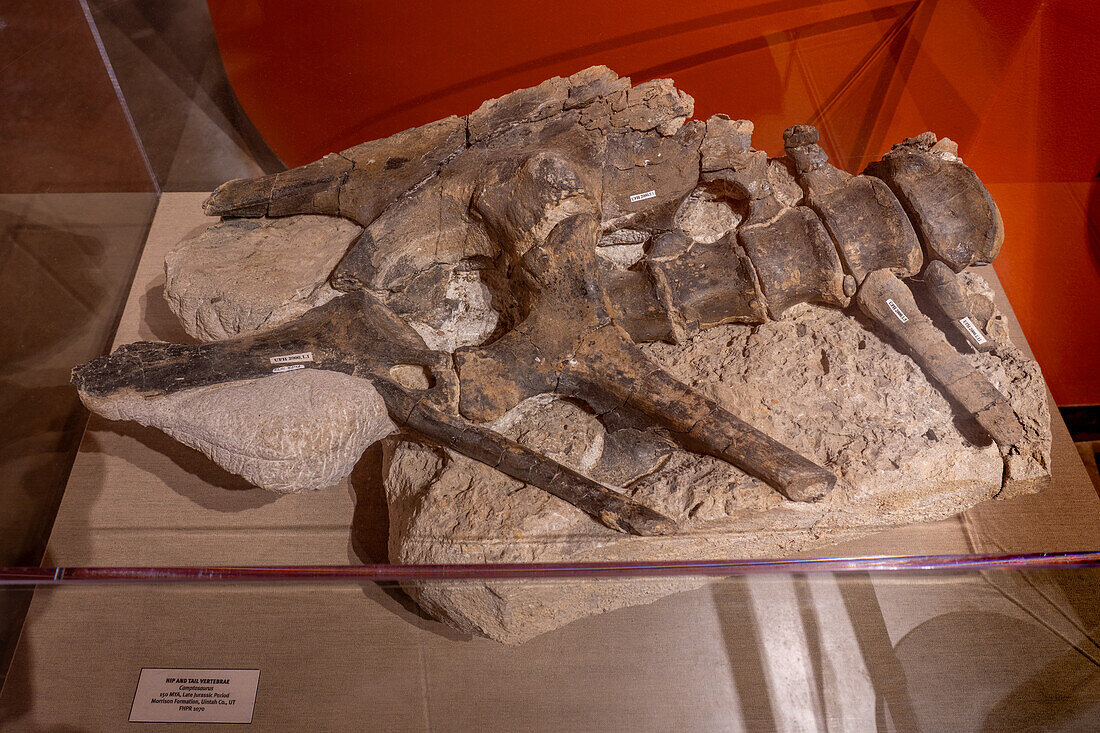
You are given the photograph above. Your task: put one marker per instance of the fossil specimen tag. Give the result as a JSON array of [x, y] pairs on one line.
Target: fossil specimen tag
[[897, 311], [973, 330], [292, 358]]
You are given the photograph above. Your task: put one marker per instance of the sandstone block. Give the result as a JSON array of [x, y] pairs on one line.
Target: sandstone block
[[242, 275]]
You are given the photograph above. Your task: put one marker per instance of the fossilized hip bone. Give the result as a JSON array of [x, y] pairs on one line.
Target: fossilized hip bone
[[526, 190]]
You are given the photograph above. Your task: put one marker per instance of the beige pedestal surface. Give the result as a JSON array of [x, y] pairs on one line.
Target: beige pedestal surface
[[761, 651]]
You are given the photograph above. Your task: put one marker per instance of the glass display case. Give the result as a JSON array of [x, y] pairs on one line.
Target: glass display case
[[141, 582], [981, 647]]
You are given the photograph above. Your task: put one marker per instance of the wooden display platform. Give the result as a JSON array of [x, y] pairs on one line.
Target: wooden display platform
[[336, 657]]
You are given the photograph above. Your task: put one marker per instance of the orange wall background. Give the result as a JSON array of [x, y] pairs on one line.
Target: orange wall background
[[1015, 82]]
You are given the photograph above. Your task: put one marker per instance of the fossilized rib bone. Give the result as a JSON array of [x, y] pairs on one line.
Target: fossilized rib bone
[[525, 189]]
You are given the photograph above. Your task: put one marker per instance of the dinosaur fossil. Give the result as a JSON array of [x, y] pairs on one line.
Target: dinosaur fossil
[[526, 191]]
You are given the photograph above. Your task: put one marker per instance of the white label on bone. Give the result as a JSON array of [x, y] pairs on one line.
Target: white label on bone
[[897, 311], [643, 196], [292, 367], [291, 358], [974, 331], [195, 696]]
